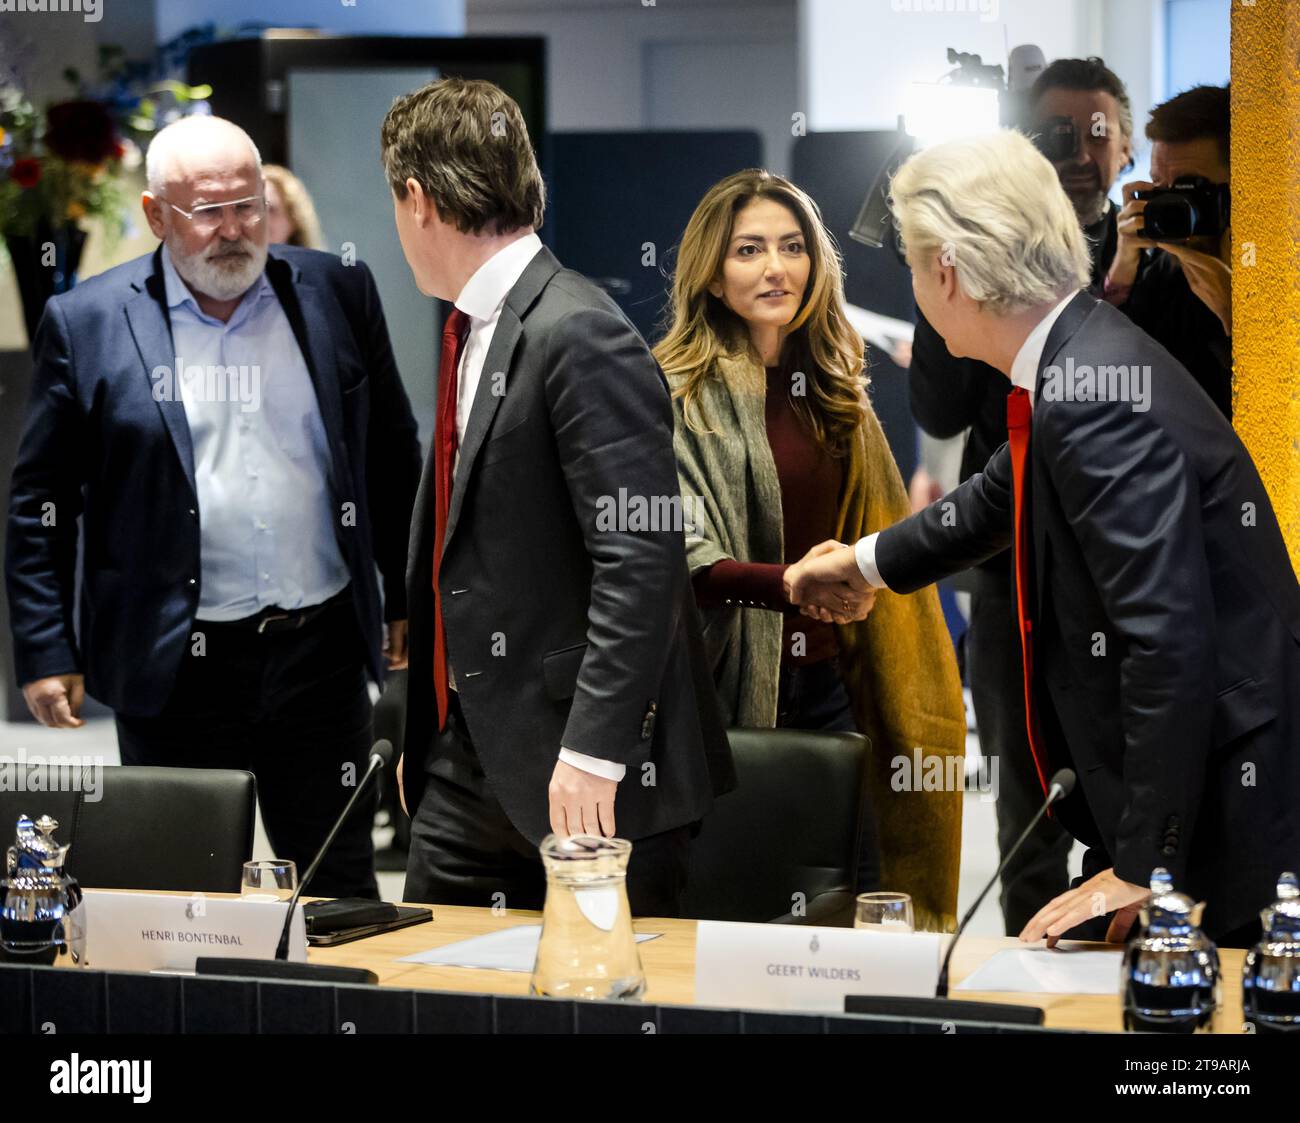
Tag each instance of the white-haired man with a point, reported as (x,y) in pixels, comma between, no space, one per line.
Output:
(230,426)
(1158,611)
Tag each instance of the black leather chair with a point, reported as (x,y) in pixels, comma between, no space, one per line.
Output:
(783,846)
(136,827)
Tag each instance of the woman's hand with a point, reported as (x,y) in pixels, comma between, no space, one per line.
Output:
(822,592)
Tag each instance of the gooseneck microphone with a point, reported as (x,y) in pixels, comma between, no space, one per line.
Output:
(1062,785)
(280,967)
(381,755)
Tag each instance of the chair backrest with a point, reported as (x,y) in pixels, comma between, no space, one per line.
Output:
(139,827)
(790,827)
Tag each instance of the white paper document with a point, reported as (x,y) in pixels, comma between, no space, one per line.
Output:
(1060,970)
(510,949)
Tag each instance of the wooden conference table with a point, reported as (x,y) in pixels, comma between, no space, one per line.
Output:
(669,964)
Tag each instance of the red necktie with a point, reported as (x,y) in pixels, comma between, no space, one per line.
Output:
(1018,415)
(454,331)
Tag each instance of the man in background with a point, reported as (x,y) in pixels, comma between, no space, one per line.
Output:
(231,428)
(1179,291)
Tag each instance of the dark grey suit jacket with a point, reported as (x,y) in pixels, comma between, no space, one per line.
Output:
(1166,615)
(566,627)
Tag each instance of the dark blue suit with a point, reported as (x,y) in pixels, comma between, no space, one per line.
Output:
(97,444)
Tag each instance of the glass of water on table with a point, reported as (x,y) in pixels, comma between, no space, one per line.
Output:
(269,879)
(884,912)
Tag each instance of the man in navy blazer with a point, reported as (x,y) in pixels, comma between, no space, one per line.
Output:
(229,425)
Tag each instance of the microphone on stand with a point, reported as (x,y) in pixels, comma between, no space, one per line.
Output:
(381,754)
(941,1006)
(1062,785)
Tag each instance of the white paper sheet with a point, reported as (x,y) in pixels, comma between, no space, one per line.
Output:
(510,949)
(1065,969)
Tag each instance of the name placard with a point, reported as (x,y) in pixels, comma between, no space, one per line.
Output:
(158,931)
(790,967)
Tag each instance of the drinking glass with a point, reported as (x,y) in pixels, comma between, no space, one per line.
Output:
(269,879)
(884,912)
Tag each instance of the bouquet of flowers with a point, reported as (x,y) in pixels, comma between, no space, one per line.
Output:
(65,164)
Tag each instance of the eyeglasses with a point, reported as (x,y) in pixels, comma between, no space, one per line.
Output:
(248,212)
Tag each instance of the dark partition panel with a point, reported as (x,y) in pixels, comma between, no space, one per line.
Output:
(836,169)
(620,201)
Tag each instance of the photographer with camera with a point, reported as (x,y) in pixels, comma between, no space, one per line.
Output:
(1170,274)
(1079,114)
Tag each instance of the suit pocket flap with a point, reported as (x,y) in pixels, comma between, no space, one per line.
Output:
(560,671)
(1241,708)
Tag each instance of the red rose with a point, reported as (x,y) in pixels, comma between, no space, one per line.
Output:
(26,172)
(80,130)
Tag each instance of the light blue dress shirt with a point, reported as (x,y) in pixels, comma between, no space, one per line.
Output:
(261,461)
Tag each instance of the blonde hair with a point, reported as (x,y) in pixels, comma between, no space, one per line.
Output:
(820,340)
(994,205)
(298,207)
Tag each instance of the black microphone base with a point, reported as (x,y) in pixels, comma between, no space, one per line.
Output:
(283,969)
(943,1009)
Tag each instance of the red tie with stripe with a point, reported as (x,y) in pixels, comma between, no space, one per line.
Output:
(454,330)
(1018,418)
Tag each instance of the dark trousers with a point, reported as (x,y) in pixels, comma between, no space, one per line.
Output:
(812,696)
(994,668)
(292,708)
(466,851)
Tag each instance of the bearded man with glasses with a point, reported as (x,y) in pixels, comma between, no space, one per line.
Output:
(229,425)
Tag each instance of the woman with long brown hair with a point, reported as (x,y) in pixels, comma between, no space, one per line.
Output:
(779,452)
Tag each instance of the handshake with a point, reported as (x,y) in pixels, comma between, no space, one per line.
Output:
(828,586)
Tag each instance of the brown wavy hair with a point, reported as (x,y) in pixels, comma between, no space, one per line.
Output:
(819,341)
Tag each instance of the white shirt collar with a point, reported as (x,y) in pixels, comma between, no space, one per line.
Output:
(1024,368)
(487,289)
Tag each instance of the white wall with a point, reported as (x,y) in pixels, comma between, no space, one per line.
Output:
(626,64)
(858,55)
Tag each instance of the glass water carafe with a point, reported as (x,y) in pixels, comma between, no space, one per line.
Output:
(587,949)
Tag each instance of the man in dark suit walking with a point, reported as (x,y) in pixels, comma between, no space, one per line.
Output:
(230,426)
(1158,610)
(555,680)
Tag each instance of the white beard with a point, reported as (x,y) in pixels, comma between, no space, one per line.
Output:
(221,276)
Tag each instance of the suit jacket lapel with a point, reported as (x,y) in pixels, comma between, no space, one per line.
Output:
(309,318)
(1067,323)
(146,314)
(499,357)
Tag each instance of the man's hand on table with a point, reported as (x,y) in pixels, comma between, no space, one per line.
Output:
(1095,897)
(581,802)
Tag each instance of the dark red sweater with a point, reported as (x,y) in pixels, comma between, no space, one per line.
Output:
(811,480)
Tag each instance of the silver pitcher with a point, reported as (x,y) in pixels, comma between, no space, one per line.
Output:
(1171,968)
(44,913)
(1270,981)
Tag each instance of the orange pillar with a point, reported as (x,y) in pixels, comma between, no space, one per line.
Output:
(1266,247)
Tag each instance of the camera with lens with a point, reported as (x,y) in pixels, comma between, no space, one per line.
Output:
(1057,138)
(1189,207)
